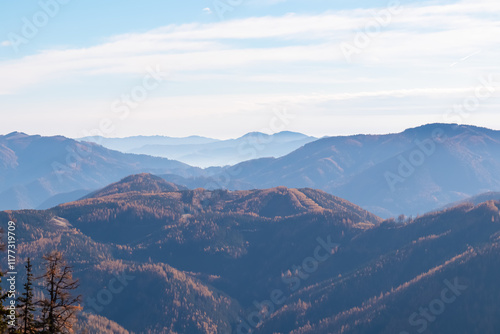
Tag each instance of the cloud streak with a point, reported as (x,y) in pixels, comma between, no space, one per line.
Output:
(430,33)
(294,57)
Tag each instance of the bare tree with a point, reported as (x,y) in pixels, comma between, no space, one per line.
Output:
(59,307)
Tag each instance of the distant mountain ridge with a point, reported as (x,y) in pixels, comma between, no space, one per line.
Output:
(127,144)
(35,168)
(410,173)
(476,200)
(206,152)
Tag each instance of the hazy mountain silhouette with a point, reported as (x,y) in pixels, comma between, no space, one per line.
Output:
(34,168)
(127,144)
(205,152)
(62,198)
(475,200)
(412,172)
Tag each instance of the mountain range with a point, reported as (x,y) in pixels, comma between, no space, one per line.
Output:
(207,152)
(277,260)
(411,173)
(33,169)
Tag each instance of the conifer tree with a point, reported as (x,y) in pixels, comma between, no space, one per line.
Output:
(26,304)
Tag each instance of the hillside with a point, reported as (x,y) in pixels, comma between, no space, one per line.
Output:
(143,183)
(214,258)
(203,253)
(184,303)
(478,199)
(407,272)
(412,172)
(34,169)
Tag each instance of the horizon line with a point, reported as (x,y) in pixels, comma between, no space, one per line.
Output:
(251,132)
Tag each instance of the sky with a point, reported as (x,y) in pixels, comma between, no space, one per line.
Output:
(227,67)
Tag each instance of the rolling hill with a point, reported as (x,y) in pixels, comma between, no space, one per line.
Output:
(413,172)
(410,173)
(436,273)
(34,169)
(142,183)
(227,240)
(274,260)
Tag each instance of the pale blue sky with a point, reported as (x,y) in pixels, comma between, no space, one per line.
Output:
(225,76)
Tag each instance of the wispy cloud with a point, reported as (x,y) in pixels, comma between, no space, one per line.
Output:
(421,36)
(294,52)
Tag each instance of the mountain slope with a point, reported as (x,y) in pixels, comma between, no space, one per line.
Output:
(417,261)
(35,168)
(478,199)
(182,302)
(411,172)
(200,253)
(62,198)
(275,260)
(143,183)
